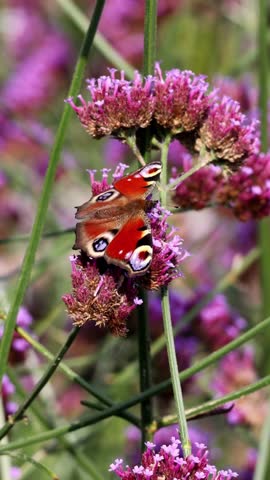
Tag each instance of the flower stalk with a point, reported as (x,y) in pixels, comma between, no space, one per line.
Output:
(168,329)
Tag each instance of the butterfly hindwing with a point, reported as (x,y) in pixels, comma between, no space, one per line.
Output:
(131,248)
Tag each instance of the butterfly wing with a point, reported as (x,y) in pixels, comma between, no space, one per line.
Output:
(139,184)
(131,248)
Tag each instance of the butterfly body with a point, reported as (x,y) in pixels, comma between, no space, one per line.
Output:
(114,224)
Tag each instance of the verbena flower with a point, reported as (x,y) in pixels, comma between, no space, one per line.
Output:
(19,346)
(116,105)
(7,391)
(38,76)
(226,134)
(181,99)
(168,251)
(168,463)
(236,371)
(247,191)
(106,299)
(187,194)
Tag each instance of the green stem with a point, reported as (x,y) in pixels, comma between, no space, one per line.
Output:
(212,404)
(177,390)
(262,463)
(41,383)
(264,229)
(104,47)
(144,365)
(46,421)
(168,330)
(150,33)
(222,285)
(39,222)
(150,36)
(25,238)
(74,377)
(5,463)
(187,174)
(91,420)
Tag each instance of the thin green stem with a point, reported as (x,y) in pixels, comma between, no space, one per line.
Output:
(46,421)
(41,383)
(222,285)
(168,330)
(25,238)
(177,390)
(91,420)
(262,463)
(5,463)
(39,222)
(264,230)
(187,174)
(212,404)
(150,36)
(74,377)
(145,370)
(101,44)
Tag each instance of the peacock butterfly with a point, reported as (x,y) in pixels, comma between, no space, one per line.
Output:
(114,224)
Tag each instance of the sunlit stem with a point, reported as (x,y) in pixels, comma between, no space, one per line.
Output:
(168,329)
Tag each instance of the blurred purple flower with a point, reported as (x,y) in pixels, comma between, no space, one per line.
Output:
(7,391)
(218,324)
(167,462)
(236,371)
(241,90)
(38,76)
(19,346)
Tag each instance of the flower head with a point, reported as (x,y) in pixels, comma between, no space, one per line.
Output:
(116,105)
(247,191)
(168,251)
(106,299)
(181,100)
(226,133)
(168,463)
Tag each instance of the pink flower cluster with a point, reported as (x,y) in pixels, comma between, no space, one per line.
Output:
(177,104)
(169,464)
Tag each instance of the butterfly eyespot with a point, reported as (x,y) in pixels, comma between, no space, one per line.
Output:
(141,258)
(100,244)
(105,196)
(151,171)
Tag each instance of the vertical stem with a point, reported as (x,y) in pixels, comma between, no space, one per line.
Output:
(264,227)
(29,257)
(168,330)
(5,463)
(150,36)
(144,365)
(262,469)
(150,33)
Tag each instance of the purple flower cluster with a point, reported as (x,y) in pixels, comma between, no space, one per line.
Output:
(7,391)
(19,346)
(37,77)
(168,463)
(236,371)
(178,104)
(106,299)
